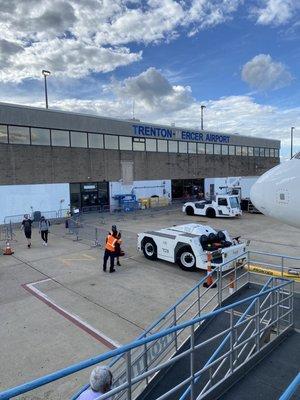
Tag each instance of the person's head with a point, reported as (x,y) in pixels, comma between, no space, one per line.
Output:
(101,379)
(42,218)
(25,216)
(114,229)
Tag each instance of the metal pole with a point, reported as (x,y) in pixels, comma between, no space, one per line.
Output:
(46,93)
(192,362)
(292,139)
(128,374)
(202,107)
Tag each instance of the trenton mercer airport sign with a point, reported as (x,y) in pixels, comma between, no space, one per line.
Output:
(167,133)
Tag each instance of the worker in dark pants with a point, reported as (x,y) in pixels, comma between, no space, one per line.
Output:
(117,234)
(111,246)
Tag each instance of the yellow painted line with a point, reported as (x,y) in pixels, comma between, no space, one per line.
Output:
(81,257)
(273,272)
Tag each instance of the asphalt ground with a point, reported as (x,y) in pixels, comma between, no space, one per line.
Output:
(57,307)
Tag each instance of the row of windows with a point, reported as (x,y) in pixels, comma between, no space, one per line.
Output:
(53,137)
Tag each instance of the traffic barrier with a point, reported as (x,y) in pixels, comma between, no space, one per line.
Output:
(291,273)
(8,250)
(209,283)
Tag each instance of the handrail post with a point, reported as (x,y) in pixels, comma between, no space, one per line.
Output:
(146,360)
(175,323)
(282,266)
(219,280)
(257,323)
(192,356)
(199,301)
(231,341)
(248,265)
(128,373)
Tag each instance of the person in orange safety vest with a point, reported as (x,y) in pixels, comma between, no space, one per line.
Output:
(112,247)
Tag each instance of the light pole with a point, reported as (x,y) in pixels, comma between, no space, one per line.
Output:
(46,73)
(202,107)
(292,139)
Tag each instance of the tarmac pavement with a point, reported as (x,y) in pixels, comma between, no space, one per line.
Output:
(57,307)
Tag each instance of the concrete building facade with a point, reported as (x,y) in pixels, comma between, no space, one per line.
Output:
(39,146)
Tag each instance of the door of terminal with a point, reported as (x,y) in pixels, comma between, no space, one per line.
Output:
(89,199)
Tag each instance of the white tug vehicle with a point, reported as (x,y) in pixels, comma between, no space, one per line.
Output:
(188,245)
(220,206)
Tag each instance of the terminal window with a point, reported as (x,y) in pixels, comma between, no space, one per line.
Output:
(173,146)
(209,148)
(60,138)
(182,147)
(262,152)
(192,148)
(138,144)
(201,148)
(244,151)
(40,136)
(111,142)
(162,146)
(217,149)
(231,150)
(95,141)
(272,152)
(3,134)
(78,139)
(224,150)
(256,151)
(267,153)
(238,150)
(250,151)
(19,134)
(150,145)
(125,143)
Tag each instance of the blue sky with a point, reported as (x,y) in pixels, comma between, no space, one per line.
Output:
(239,58)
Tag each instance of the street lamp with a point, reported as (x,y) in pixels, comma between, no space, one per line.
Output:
(202,107)
(292,138)
(46,73)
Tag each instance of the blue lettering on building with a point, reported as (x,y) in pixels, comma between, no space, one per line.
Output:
(166,133)
(208,137)
(151,131)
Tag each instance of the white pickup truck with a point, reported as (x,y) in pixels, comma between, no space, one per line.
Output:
(187,245)
(220,206)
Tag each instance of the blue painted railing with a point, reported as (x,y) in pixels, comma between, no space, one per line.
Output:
(13,392)
(187,392)
(291,389)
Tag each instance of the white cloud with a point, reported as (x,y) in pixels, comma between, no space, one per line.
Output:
(153,91)
(263,73)
(75,37)
(275,12)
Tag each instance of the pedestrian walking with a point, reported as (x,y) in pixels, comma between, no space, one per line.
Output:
(26,226)
(44,226)
(112,246)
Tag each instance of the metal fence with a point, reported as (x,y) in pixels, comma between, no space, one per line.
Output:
(7,232)
(135,364)
(54,214)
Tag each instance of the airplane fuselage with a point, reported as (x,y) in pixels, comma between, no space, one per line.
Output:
(277,192)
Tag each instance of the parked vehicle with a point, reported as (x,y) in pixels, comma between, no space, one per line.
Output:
(188,245)
(219,206)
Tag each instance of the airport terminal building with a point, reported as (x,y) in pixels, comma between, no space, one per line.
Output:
(48,157)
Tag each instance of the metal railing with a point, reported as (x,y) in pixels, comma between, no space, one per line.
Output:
(272,311)
(53,214)
(291,389)
(7,232)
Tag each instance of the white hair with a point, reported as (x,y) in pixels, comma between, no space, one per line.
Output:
(100,377)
